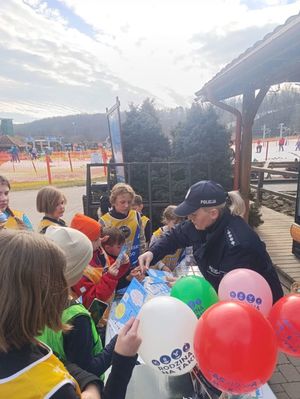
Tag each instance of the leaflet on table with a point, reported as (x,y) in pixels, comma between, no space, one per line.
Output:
(130,304)
(155,287)
(158,276)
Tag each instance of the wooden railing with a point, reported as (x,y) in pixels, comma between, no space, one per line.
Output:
(260,189)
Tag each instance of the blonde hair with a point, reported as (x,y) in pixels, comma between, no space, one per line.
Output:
(33,289)
(48,198)
(235,204)
(119,189)
(168,215)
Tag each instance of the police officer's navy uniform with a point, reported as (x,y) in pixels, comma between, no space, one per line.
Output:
(228,244)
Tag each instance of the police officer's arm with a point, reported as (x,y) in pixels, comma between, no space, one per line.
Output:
(168,243)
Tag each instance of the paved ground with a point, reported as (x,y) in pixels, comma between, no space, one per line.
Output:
(285,382)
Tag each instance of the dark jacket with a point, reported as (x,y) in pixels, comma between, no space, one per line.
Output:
(228,244)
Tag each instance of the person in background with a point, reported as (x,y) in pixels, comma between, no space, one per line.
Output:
(15,154)
(14,219)
(222,241)
(138,206)
(297,148)
(169,220)
(127,220)
(33,293)
(281,142)
(81,344)
(101,275)
(258,146)
(51,202)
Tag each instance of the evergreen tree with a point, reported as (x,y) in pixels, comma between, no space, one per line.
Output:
(143,141)
(204,142)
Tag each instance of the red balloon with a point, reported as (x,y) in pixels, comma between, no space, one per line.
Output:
(285,319)
(235,346)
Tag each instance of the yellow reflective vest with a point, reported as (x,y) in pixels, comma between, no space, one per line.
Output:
(15,221)
(39,380)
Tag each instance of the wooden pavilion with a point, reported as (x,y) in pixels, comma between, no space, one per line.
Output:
(273,60)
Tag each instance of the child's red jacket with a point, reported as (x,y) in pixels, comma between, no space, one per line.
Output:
(95,283)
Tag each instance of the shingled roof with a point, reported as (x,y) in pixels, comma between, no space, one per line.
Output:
(7,141)
(274,59)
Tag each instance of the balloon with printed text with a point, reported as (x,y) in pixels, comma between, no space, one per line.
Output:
(246,286)
(196,292)
(285,319)
(235,347)
(167,329)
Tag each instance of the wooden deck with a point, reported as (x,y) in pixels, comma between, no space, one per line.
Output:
(275,232)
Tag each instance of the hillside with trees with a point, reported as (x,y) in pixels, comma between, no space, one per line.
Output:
(281,105)
(73,128)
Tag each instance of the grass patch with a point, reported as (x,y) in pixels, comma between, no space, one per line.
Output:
(34,185)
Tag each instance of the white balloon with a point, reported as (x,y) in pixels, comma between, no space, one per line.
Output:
(167,327)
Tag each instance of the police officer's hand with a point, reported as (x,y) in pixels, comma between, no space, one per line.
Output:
(145,260)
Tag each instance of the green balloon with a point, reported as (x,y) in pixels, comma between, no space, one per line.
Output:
(196,292)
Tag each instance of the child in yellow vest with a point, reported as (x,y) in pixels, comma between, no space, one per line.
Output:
(51,202)
(128,221)
(169,220)
(33,293)
(11,219)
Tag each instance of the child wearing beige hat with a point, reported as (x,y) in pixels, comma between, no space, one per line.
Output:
(81,345)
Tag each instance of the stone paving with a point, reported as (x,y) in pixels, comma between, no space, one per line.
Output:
(285,382)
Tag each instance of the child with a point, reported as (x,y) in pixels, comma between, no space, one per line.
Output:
(50,201)
(138,206)
(126,219)
(33,293)
(14,219)
(81,344)
(95,282)
(169,219)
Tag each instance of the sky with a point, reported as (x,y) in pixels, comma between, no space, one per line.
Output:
(62,57)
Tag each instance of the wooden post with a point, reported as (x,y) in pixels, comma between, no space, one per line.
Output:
(260,185)
(267,151)
(246,147)
(34,167)
(70,161)
(48,169)
(251,104)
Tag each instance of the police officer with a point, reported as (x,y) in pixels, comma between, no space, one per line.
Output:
(222,241)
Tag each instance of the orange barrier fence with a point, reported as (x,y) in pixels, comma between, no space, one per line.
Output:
(58,168)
